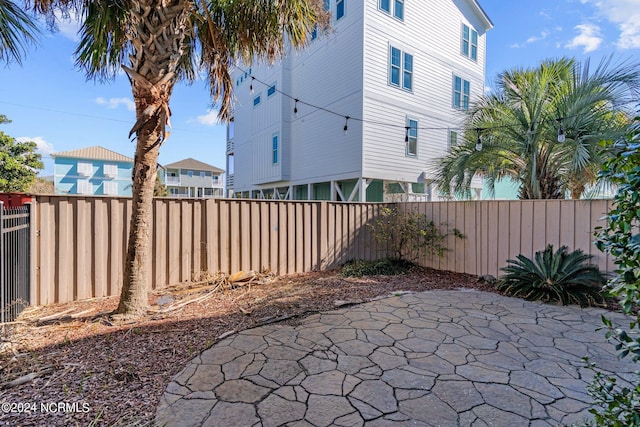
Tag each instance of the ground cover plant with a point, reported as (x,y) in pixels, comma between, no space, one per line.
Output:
(553,276)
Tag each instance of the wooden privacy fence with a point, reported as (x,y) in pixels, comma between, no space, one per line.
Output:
(80,242)
(500,230)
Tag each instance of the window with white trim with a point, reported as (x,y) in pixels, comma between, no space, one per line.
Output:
(453,138)
(85,168)
(110,188)
(203,174)
(110,170)
(461,92)
(469,46)
(392,7)
(190,174)
(400,69)
(340,9)
(84,186)
(412,138)
(256,100)
(275,149)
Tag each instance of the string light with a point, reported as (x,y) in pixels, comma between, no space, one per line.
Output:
(561,137)
(406,134)
(561,132)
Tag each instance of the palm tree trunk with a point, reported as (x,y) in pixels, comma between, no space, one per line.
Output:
(133,298)
(158,49)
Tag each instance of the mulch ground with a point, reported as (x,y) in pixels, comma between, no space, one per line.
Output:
(80,365)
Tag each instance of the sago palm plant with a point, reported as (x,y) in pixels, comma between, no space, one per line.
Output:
(554,276)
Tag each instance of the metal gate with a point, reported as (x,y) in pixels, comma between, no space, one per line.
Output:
(15,250)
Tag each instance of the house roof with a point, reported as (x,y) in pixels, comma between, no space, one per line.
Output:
(94,153)
(475,5)
(194,165)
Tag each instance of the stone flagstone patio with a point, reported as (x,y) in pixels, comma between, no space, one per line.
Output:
(438,358)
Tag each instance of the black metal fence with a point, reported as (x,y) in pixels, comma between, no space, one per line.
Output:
(15,248)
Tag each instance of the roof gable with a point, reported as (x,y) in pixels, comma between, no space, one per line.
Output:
(193,165)
(482,15)
(94,153)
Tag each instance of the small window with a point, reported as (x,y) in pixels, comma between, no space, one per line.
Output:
(85,168)
(271,91)
(110,188)
(453,138)
(461,92)
(385,5)
(401,69)
(314,32)
(398,10)
(339,9)
(396,56)
(256,101)
(327,4)
(407,78)
(275,149)
(412,138)
(84,187)
(469,45)
(203,174)
(189,174)
(110,170)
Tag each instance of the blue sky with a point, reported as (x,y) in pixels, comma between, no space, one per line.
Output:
(50,101)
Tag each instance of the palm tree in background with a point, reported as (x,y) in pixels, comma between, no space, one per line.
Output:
(17,30)
(519,125)
(158,43)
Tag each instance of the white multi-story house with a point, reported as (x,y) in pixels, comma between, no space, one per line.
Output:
(193,178)
(363,111)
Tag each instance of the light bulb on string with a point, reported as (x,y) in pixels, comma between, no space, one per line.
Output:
(251,86)
(346,124)
(479,140)
(561,135)
(295,109)
(406,134)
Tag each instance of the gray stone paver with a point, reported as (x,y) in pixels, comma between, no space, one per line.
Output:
(416,359)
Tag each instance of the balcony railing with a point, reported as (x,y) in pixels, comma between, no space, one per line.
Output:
(172,180)
(230,181)
(231,146)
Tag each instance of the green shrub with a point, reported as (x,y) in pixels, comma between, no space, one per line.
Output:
(620,405)
(382,267)
(553,276)
(410,234)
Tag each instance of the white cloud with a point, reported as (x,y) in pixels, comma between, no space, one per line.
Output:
(68,25)
(113,103)
(589,38)
(543,35)
(209,119)
(43,146)
(625,14)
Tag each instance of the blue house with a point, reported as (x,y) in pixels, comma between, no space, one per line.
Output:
(92,171)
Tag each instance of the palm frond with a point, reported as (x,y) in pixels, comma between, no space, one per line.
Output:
(17,31)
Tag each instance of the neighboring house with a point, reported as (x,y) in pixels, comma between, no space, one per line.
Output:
(192,178)
(92,171)
(390,80)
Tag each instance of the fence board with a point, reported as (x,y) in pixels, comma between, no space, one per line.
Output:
(80,243)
